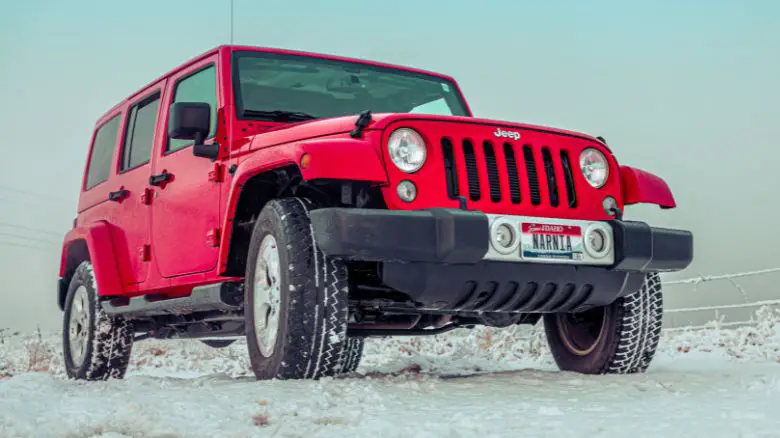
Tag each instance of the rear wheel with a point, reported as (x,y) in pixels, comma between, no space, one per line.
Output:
(96,346)
(296,298)
(617,339)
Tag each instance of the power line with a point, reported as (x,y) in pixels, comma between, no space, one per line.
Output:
(35,194)
(35,230)
(20,245)
(31,239)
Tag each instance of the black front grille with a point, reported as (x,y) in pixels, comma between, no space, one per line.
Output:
(523,177)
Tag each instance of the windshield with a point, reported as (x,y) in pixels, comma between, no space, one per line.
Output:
(283,87)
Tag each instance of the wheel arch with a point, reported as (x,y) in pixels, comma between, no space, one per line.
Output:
(292,169)
(247,199)
(252,190)
(89,243)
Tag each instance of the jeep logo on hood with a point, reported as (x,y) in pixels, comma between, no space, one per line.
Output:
(514,135)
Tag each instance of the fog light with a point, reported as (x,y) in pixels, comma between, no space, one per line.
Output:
(597,241)
(407,191)
(505,237)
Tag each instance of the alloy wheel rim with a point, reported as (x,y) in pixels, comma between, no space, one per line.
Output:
(267,295)
(78,326)
(582,332)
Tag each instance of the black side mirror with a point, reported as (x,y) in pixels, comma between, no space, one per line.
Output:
(192,121)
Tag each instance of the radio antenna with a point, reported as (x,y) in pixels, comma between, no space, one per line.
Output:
(231,21)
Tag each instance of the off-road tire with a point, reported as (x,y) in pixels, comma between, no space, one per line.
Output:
(628,341)
(109,338)
(218,343)
(313,298)
(353,352)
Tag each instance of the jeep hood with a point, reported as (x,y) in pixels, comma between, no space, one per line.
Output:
(295,132)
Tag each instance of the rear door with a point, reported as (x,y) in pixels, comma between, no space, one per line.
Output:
(185,209)
(130,232)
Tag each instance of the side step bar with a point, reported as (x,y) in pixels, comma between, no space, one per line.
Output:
(224,297)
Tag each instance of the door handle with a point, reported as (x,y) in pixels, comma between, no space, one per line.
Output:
(158,180)
(118,195)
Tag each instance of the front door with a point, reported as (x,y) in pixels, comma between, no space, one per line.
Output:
(185,206)
(130,219)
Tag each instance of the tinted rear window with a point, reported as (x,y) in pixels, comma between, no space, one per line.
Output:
(102,152)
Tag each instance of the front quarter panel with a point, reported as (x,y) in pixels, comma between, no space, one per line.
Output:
(344,159)
(641,187)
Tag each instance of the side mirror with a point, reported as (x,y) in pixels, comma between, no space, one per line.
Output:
(192,121)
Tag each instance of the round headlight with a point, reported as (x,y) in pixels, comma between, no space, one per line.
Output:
(407,150)
(595,167)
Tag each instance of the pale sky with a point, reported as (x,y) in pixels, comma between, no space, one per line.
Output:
(688,91)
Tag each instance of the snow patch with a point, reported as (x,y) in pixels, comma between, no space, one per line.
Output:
(483,382)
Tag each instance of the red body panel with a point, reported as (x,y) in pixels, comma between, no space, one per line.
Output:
(356,160)
(644,187)
(181,238)
(185,211)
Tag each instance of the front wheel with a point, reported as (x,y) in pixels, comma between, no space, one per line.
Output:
(296,298)
(218,343)
(353,352)
(620,338)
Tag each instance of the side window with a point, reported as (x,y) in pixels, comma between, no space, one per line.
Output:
(139,135)
(198,87)
(102,152)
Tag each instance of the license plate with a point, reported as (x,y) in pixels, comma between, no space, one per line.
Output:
(550,241)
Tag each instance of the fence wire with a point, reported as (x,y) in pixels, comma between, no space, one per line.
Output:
(731,278)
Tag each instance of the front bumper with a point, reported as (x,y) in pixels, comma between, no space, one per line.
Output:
(443,259)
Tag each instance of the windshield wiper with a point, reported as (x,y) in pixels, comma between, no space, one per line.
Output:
(278,116)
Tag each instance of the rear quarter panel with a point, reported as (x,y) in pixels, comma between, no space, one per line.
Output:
(97,236)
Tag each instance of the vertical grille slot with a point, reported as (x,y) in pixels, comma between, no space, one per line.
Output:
(533,180)
(471,170)
(511,170)
(549,170)
(568,177)
(492,171)
(450,170)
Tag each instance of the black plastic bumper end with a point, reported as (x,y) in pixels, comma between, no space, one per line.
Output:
(640,247)
(437,235)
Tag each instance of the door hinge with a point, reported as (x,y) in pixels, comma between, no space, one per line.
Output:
(217,173)
(146,196)
(213,237)
(145,253)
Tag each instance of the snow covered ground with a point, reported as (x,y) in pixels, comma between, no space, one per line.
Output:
(485,383)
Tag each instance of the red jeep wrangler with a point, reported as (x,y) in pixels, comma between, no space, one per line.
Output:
(308,201)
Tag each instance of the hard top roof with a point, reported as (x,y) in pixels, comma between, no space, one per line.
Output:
(233,48)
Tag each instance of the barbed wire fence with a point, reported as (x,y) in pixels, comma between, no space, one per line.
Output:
(732,279)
